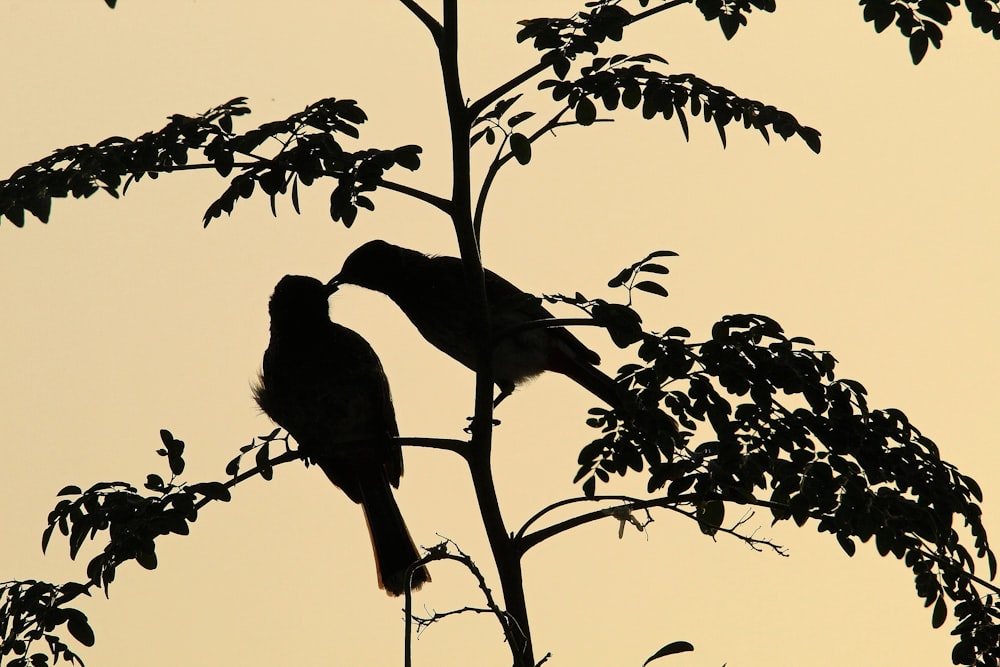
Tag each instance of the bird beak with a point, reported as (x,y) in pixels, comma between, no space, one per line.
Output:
(333,285)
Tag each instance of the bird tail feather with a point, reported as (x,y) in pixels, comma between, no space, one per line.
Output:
(393,547)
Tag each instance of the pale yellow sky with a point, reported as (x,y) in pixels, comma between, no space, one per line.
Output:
(124,317)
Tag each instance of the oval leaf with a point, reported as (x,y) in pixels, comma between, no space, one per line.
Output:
(586,112)
(520,147)
(710,515)
(651,287)
(670,649)
(940,614)
(79,627)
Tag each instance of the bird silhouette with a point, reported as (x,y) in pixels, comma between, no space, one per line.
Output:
(323,383)
(432,292)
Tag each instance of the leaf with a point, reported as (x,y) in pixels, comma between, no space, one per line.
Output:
(847,544)
(710,515)
(70,490)
(147,559)
(623,275)
(263,462)
(670,649)
(918,46)
(624,325)
(213,490)
(940,613)
(408,157)
(519,118)
(682,119)
(654,268)
(651,287)
(520,146)
(586,112)
(79,627)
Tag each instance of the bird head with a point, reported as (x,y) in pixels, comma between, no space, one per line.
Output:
(376,265)
(299,298)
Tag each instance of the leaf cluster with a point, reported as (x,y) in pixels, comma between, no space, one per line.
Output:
(626,81)
(31,611)
(305,149)
(80,171)
(921,22)
(132,519)
(790,436)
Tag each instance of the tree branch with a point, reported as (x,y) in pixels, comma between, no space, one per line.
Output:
(656,10)
(524,542)
(505,556)
(440,552)
(429,22)
(480,105)
(439,203)
(460,447)
(499,162)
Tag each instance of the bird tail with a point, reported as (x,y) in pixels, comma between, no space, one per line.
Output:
(590,378)
(394,550)
(599,384)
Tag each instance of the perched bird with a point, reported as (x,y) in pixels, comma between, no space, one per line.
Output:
(432,292)
(324,384)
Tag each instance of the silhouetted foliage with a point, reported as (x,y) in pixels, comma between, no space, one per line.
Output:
(784,433)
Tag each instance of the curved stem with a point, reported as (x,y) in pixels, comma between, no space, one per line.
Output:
(499,162)
(567,501)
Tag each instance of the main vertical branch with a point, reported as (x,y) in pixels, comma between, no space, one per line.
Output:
(506,557)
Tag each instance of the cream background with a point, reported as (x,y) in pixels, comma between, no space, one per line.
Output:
(123,317)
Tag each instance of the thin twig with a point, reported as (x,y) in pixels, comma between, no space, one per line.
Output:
(424,621)
(440,552)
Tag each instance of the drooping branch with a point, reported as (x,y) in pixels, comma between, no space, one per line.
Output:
(526,541)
